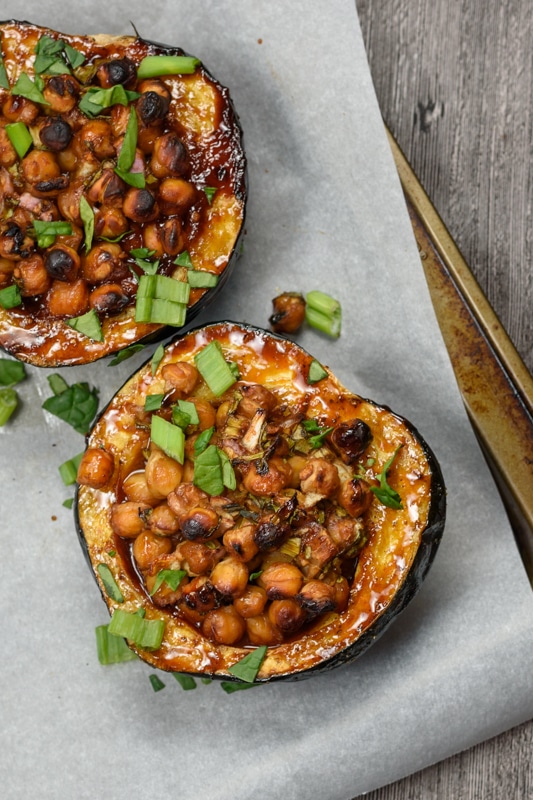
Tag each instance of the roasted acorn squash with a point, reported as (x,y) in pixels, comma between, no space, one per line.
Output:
(302,517)
(121,170)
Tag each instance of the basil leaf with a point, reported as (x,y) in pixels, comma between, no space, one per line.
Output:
(76,405)
(11,372)
(184,260)
(73,56)
(172,577)
(152,402)
(87,217)
(88,324)
(8,403)
(10,297)
(57,383)
(202,441)
(208,471)
(110,585)
(186,682)
(126,157)
(25,87)
(210,193)
(123,355)
(159,352)
(230,687)
(247,668)
(228,473)
(316,372)
(135,179)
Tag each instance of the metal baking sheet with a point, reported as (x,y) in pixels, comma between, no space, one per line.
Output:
(327,211)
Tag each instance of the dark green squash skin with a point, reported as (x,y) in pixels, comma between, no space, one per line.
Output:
(162,332)
(426,551)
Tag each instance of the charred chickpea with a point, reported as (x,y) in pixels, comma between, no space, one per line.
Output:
(62,263)
(355,497)
(101,262)
(239,542)
(19,109)
(31,276)
(55,134)
(119,119)
(108,189)
(117,70)
(281,580)
(176,195)
(198,557)
(163,474)
(185,497)
(109,298)
(140,205)
(68,299)
(14,243)
(169,157)
(61,93)
(260,631)
(40,166)
(341,596)
(165,238)
(163,521)
(182,376)
(96,468)
(198,523)
(72,239)
(251,602)
(269,482)
(316,597)
(254,397)
(199,594)
(68,202)
(136,488)
(230,577)
(224,626)
(287,615)
(350,439)
(128,519)
(152,106)
(8,154)
(110,222)
(95,137)
(148,546)
(319,476)
(288,312)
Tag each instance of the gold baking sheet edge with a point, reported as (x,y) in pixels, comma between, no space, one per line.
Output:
(495,385)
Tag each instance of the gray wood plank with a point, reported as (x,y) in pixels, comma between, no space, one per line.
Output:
(454,81)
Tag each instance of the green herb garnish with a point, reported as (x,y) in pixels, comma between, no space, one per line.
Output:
(87,217)
(157,683)
(95,100)
(202,441)
(247,668)
(168,437)
(230,687)
(323,313)
(110,584)
(10,297)
(46,232)
(112,649)
(32,90)
(76,405)
(8,404)
(88,324)
(214,369)
(172,577)
(312,426)
(186,682)
(200,279)
(184,260)
(4,80)
(69,470)
(210,192)
(190,409)
(11,372)
(208,471)
(385,493)
(123,355)
(20,137)
(153,402)
(316,372)
(159,352)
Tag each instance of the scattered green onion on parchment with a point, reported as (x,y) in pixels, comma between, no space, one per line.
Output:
(11,373)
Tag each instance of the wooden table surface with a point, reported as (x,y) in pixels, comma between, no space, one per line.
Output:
(454,81)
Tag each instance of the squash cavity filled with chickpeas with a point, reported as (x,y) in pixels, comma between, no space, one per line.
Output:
(122,192)
(235,496)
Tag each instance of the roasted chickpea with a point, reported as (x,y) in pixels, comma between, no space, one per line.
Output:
(260,631)
(68,202)
(19,109)
(40,167)
(355,497)
(240,542)
(280,580)
(147,547)
(68,299)
(198,523)
(165,238)
(319,476)
(255,397)
(176,195)
(350,439)
(224,626)
(251,602)
(95,137)
(185,497)
(169,157)
(56,134)
(230,577)
(163,521)
(117,71)
(163,474)
(136,488)
(140,205)
(287,615)
(8,154)
(198,557)
(316,597)
(152,107)
(108,189)
(110,222)
(129,519)
(14,243)
(181,375)
(263,482)
(206,412)
(31,276)
(62,262)
(200,595)
(61,93)
(289,312)
(109,298)
(102,261)
(96,468)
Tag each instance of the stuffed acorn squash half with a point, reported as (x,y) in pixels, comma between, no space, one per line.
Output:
(122,192)
(235,497)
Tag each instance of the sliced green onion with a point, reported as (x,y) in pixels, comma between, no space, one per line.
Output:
(214,369)
(8,403)
(157,683)
(202,441)
(180,418)
(208,471)
(146,633)
(88,324)
(200,279)
(20,137)
(11,372)
(247,668)
(190,409)
(69,470)
(316,372)
(172,577)
(184,260)
(166,312)
(210,192)
(25,87)
(323,313)
(10,297)
(168,437)
(228,473)
(159,352)
(110,584)
(152,402)
(112,649)
(68,503)
(87,217)
(46,232)
(4,80)
(186,682)
(162,300)
(57,383)
(153,66)
(123,355)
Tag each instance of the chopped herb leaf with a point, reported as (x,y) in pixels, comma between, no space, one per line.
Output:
(76,405)
(57,383)
(203,440)
(159,352)
(110,584)
(152,402)
(228,473)
(172,577)
(8,404)
(4,80)
(180,418)
(385,493)
(68,503)
(69,470)
(157,683)
(184,260)
(247,668)
(123,355)
(88,324)
(74,57)
(126,156)
(316,372)
(95,100)
(210,193)
(190,409)
(10,297)
(208,471)
(25,87)
(135,179)
(87,217)
(186,682)
(11,372)
(230,687)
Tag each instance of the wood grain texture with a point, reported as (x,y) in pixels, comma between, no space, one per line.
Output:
(454,82)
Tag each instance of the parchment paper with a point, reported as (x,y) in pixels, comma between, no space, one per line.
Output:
(325,211)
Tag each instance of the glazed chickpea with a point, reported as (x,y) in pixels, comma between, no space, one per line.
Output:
(185,497)
(152,107)
(239,542)
(260,631)
(72,239)
(198,523)
(169,157)
(341,593)
(62,262)
(156,86)
(355,497)
(55,134)
(224,626)
(68,202)
(163,474)
(109,298)
(319,476)
(110,222)
(95,137)
(317,597)
(119,119)
(255,397)
(230,577)
(200,595)
(147,547)
(136,488)
(96,468)
(140,205)
(164,595)
(31,276)
(251,602)
(68,299)
(289,312)
(40,166)
(344,531)
(287,615)
(198,557)
(163,521)
(117,71)
(276,478)
(128,519)
(176,195)
(14,243)
(8,154)
(164,239)
(108,189)
(281,580)
(19,109)
(206,412)
(61,93)
(102,261)
(181,375)
(6,271)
